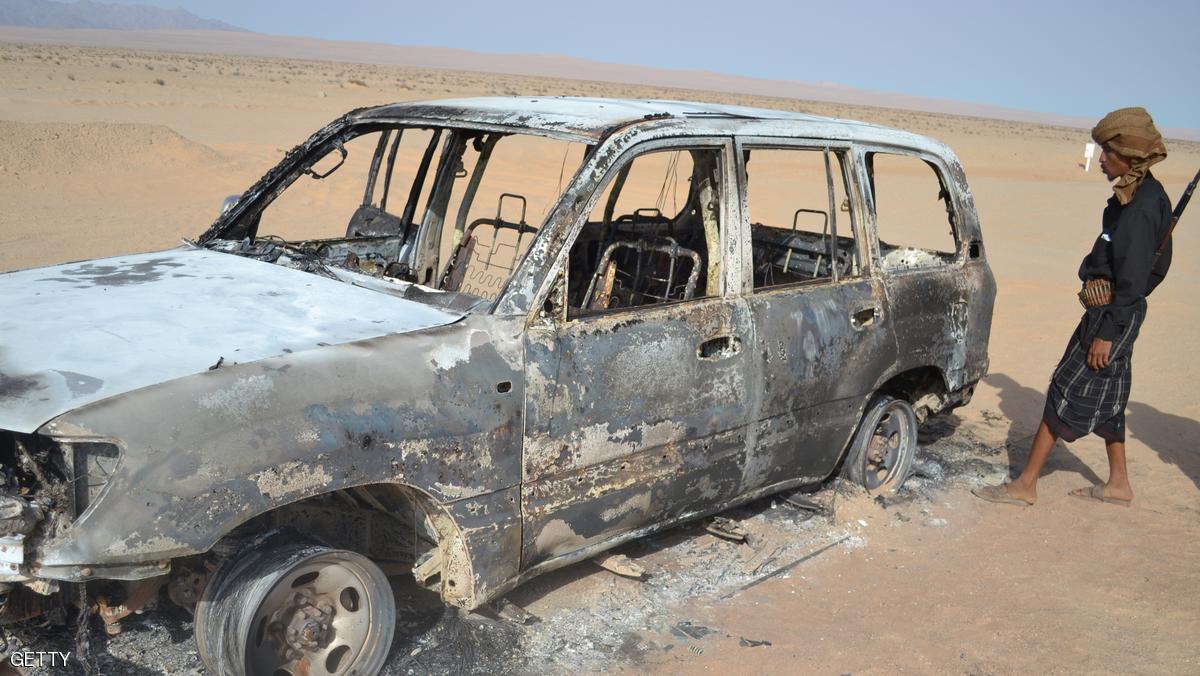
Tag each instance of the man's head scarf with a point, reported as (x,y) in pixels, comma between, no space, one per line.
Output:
(1131,133)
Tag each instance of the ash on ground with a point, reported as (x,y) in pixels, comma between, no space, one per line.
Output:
(607,620)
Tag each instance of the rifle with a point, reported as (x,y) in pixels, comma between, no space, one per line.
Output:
(1183,202)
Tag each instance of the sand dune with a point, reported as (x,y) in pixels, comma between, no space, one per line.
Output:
(50,149)
(538,65)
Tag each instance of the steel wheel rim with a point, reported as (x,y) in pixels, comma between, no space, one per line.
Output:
(316,619)
(886,446)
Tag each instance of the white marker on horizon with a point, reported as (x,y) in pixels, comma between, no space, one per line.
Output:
(1089,151)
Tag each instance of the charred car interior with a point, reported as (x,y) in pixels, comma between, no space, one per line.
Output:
(452,210)
(462,343)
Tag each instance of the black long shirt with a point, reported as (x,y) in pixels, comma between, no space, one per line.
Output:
(1124,252)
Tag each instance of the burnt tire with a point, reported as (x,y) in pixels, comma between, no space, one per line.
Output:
(882,450)
(296,609)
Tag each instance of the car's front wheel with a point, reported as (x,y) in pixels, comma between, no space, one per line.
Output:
(291,609)
(882,450)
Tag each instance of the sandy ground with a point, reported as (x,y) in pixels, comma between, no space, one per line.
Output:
(105,151)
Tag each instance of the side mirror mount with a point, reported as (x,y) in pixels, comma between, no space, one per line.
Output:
(328,169)
(553,309)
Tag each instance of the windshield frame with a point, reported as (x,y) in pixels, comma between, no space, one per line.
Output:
(232,224)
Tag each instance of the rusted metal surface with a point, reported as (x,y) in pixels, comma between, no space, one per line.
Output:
(138,596)
(22,604)
(186,585)
(523,437)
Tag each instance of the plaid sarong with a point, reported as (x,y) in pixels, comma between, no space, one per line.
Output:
(1081,400)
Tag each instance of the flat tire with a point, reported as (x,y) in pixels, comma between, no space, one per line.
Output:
(882,450)
(292,609)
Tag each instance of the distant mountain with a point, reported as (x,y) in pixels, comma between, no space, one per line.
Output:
(88,14)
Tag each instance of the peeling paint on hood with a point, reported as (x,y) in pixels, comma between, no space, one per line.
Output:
(77,333)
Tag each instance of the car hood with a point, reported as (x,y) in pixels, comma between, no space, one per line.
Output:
(78,333)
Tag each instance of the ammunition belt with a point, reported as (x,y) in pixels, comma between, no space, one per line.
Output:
(1096,293)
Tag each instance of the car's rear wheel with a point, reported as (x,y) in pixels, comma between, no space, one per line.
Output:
(882,450)
(296,609)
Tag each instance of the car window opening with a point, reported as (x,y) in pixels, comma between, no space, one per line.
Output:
(653,237)
(914,215)
(794,197)
(450,209)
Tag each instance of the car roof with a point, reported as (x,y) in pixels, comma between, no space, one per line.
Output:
(591,119)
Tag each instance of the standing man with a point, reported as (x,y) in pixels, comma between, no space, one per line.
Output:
(1090,387)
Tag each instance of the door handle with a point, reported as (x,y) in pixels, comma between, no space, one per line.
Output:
(719,348)
(865,317)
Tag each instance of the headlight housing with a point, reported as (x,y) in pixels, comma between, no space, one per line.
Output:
(92,466)
(71,473)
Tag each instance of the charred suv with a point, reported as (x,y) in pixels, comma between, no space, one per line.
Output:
(470,341)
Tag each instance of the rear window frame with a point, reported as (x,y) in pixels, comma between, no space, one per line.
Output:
(942,171)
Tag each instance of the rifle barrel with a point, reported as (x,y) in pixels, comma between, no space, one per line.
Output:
(1184,198)
(1183,202)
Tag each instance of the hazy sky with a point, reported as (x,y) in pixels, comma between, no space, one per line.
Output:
(1074,58)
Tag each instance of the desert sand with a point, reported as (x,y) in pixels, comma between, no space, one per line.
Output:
(105,151)
(542,65)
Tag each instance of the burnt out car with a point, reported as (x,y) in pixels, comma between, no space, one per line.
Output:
(471,341)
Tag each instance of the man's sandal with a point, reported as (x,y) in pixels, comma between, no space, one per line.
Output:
(1000,494)
(1097,493)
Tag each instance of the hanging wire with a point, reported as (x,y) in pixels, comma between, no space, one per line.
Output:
(671,178)
(562,170)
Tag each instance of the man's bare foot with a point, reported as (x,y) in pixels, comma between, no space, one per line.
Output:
(1010,494)
(1117,495)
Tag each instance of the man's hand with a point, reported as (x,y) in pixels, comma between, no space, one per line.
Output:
(1098,354)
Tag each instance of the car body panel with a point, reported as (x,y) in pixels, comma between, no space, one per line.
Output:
(641,426)
(941,310)
(818,366)
(420,409)
(819,370)
(628,422)
(82,332)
